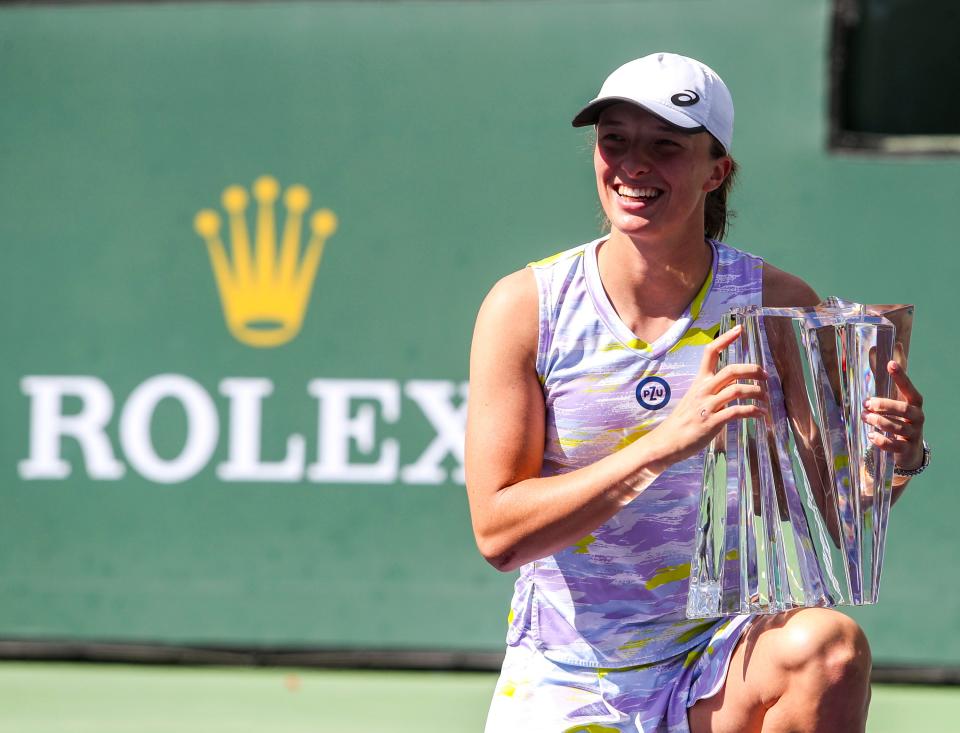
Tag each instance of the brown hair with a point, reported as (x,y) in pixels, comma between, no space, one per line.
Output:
(715,211)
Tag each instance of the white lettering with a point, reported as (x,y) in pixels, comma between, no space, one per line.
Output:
(243,460)
(48,425)
(434,397)
(338,430)
(202,428)
(349,447)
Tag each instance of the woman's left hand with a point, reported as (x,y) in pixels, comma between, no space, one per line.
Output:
(901,420)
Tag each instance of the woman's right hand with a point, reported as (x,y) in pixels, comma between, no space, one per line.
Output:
(706,408)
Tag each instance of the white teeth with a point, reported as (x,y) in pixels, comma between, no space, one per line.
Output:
(638,193)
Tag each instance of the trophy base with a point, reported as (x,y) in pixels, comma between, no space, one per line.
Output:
(703,600)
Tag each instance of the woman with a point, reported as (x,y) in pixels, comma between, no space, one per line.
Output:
(593,390)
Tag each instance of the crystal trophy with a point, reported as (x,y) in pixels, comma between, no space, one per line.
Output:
(793,510)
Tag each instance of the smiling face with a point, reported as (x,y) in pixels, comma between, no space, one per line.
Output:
(653,178)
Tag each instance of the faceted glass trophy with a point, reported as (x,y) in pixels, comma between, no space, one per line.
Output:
(793,510)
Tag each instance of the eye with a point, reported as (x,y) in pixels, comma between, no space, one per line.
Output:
(666,142)
(612,137)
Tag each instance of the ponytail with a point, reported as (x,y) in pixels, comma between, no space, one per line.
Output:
(715,212)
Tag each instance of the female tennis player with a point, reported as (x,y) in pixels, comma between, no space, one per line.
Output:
(594,389)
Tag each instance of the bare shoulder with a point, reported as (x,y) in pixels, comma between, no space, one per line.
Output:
(510,312)
(518,289)
(783,290)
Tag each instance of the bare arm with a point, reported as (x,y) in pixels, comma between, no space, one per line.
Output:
(517,515)
(783,290)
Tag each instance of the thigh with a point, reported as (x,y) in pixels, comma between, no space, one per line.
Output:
(764,662)
(740,703)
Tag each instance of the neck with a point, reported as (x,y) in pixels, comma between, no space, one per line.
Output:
(650,284)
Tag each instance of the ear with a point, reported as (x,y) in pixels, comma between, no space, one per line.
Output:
(718,174)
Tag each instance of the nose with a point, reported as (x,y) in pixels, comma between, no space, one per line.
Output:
(636,160)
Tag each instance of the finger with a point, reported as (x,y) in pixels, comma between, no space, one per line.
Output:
(739,391)
(888,444)
(895,408)
(733,372)
(738,412)
(907,430)
(900,378)
(711,352)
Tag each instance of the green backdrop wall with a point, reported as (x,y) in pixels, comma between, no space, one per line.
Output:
(438,134)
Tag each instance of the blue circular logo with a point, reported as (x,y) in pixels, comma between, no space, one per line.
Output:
(653,392)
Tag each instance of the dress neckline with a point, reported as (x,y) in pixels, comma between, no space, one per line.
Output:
(619,329)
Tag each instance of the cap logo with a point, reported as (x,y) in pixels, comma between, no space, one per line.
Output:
(686,98)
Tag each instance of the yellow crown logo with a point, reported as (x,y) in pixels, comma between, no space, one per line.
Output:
(265,296)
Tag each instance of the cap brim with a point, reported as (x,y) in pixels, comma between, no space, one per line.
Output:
(591,113)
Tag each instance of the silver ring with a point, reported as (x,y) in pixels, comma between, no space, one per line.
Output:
(703,413)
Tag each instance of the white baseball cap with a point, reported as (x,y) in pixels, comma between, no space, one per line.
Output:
(679,90)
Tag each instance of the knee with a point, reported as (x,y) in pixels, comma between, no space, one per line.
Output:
(825,646)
